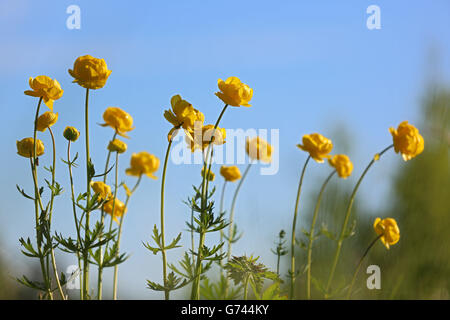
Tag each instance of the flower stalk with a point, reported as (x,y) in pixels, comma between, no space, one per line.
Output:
(294,223)
(346,219)
(311,234)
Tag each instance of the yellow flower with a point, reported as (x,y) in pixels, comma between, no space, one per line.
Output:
(342,164)
(183,115)
(317,146)
(119,208)
(46,120)
(230,173)
(210,176)
(45,87)
(102,189)
(119,120)
(71,133)
(25,147)
(259,149)
(201,139)
(117,146)
(407,140)
(90,72)
(143,163)
(388,229)
(234,93)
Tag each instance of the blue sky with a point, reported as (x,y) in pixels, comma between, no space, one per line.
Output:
(313,66)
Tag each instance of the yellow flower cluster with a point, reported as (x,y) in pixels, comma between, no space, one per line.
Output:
(25,147)
(258,149)
(143,163)
(230,173)
(46,88)
(388,230)
(407,140)
(90,72)
(119,120)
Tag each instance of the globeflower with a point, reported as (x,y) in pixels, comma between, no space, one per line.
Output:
(117,146)
(119,208)
(25,147)
(201,139)
(143,163)
(102,189)
(46,120)
(388,230)
(259,149)
(230,173)
(90,72)
(234,93)
(342,164)
(71,133)
(317,146)
(119,120)
(182,115)
(45,87)
(407,140)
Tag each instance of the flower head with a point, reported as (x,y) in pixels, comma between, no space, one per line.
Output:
(119,208)
(259,149)
(234,93)
(119,120)
(143,163)
(46,120)
(45,87)
(210,176)
(388,229)
(25,147)
(117,146)
(317,146)
(71,133)
(90,72)
(182,115)
(102,189)
(202,138)
(407,140)
(342,164)
(230,173)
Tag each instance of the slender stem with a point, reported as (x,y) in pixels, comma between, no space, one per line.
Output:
(294,223)
(349,292)
(163,244)
(222,197)
(102,221)
(195,294)
(311,234)
(75,215)
(231,225)
(39,234)
(52,251)
(116,267)
(233,205)
(38,202)
(246,287)
(88,195)
(346,219)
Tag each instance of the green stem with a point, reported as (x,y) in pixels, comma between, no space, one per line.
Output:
(294,223)
(52,251)
(231,225)
(102,221)
(246,287)
(222,197)
(346,219)
(163,244)
(88,195)
(75,216)
(349,292)
(311,235)
(116,267)
(38,202)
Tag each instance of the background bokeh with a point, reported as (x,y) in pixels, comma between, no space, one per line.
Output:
(313,66)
